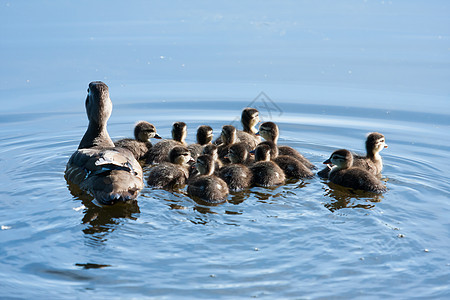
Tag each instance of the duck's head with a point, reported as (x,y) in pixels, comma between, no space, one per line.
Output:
(212,150)
(205,164)
(98,104)
(204,134)
(237,153)
(375,142)
(180,156)
(249,118)
(229,134)
(179,131)
(143,131)
(273,148)
(269,131)
(262,152)
(341,158)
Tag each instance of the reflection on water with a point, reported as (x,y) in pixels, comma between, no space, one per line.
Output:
(101,220)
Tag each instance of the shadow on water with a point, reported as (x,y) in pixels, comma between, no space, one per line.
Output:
(101,219)
(342,197)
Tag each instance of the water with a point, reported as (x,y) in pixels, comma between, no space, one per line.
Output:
(330,73)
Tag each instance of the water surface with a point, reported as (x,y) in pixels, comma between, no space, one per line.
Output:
(329,72)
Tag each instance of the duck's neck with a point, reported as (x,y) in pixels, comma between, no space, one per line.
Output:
(248,128)
(96,135)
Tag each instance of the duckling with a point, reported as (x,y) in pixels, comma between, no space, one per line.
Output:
(266,172)
(270,132)
(343,173)
(206,186)
(169,175)
(237,175)
(212,150)
(204,137)
(111,174)
(249,119)
(372,162)
(159,152)
(291,167)
(140,145)
(228,137)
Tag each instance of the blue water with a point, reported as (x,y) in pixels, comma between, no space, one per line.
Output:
(327,72)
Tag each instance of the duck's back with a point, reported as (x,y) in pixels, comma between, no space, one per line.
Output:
(237,176)
(109,174)
(371,165)
(292,167)
(167,176)
(208,188)
(160,151)
(139,149)
(195,150)
(357,178)
(267,173)
(289,151)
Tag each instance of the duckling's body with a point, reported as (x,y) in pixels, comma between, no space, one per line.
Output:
(237,175)
(111,174)
(160,152)
(372,162)
(343,173)
(169,175)
(270,132)
(266,172)
(140,145)
(229,137)
(206,186)
(249,119)
(204,137)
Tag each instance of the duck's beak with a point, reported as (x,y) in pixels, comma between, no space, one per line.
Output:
(226,156)
(327,162)
(157,136)
(191,160)
(252,152)
(385,145)
(257,134)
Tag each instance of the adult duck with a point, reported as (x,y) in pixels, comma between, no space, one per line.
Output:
(111,174)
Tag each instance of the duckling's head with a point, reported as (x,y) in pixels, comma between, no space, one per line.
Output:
(375,142)
(179,131)
(229,134)
(238,153)
(249,119)
(212,150)
(341,158)
(262,153)
(204,134)
(98,104)
(180,156)
(269,131)
(143,131)
(205,164)
(273,148)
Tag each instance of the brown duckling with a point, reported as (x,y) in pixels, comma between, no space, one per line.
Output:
(206,186)
(169,175)
(266,172)
(270,132)
(291,167)
(228,137)
(343,173)
(237,175)
(204,137)
(372,162)
(160,151)
(140,145)
(249,119)
(111,174)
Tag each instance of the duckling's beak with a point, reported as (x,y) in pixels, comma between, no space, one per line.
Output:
(385,145)
(226,156)
(157,136)
(252,152)
(191,160)
(257,134)
(327,162)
